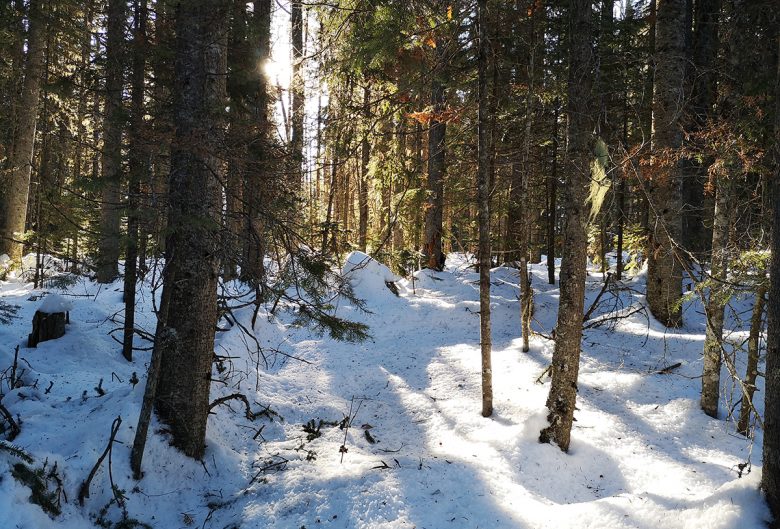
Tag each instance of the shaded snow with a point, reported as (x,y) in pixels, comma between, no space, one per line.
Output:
(642,455)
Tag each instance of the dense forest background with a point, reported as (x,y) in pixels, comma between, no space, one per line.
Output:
(196,144)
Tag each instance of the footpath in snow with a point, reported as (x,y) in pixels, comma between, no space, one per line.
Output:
(418,453)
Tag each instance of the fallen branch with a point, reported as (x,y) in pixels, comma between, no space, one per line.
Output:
(236,396)
(668,369)
(84,489)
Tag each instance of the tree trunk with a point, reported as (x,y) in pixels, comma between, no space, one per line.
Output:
(754,353)
(363,183)
(703,87)
(182,397)
(297,89)
(256,190)
(770,477)
(113,123)
(483,199)
(664,274)
(552,192)
(433,255)
(15,189)
(568,334)
(713,341)
(138,172)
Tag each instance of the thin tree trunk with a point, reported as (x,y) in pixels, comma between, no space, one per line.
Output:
(552,192)
(113,123)
(182,397)
(754,353)
(15,190)
(483,199)
(568,334)
(363,182)
(297,89)
(138,170)
(713,341)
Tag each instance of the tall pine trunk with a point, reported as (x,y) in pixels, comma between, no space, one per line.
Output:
(15,189)
(138,173)
(113,123)
(770,477)
(297,88)
(433,255)
(568,334)
(664,274)
(182,398)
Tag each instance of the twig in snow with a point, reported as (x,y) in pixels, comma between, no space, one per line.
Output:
(84,489)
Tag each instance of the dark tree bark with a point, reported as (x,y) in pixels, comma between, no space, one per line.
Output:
(483,200)
(770,477)
(14,191)
(138,173)
(703,86)
(568,334)
(113,124)
(192,250)
(664,274)
(297,88)
(552,192)
(256,190)
(365,153)
(433,255)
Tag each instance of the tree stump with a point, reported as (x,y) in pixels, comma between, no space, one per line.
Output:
(47,326)
(49,320)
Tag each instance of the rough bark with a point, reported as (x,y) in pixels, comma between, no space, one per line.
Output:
(483,200)
(664,274)
(703,79)
(138,173)
(192,250)
(14,192)
(256,190)
(770,477)
(297,89)
(113,124)
(568,334)
(433,255)
(552,195)
(716,302)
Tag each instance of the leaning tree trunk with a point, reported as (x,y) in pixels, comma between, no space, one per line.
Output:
(182,398)
(483,200)
(754,352)
(770,477)
(14,191)
(664,273)
(568,335)
(297,88)
(111,207)
(434,208)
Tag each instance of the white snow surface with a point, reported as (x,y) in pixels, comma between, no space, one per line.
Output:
(55,303)
(642,455)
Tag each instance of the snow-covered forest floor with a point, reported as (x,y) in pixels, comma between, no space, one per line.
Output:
(418,453)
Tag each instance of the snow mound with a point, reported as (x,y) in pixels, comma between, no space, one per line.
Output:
(55,303)
(368,276)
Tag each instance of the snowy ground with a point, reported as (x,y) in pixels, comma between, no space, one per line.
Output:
(642,455)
